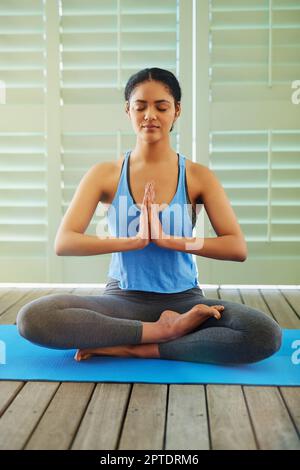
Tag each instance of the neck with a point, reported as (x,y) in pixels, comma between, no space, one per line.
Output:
(155,153)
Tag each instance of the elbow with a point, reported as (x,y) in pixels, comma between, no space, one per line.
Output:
(58,250)
(63,244)
(242,257)
(242,252)
(58,247)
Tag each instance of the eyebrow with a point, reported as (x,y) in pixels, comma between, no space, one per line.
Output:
(157,101)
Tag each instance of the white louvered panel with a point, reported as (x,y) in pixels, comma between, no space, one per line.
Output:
(286,186)
(239,48)
(23,194)
(285,41)
(23,219)
(22,50)
(255,141)
(254,44)
(265,197)
(102,43)
(240,162)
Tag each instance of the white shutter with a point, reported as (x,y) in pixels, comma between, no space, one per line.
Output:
(23,238)
(255,132)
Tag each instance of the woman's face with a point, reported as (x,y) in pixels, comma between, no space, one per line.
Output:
(151,104)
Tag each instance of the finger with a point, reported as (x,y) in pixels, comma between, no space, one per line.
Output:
(150,197)
(217,311)
(146,193)
(147,200)
(146,188)
(151,192)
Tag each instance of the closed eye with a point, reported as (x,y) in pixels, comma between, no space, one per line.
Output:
(162,110)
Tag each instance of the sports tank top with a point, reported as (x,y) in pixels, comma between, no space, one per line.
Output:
(152,268)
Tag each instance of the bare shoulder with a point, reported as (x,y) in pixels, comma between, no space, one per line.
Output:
(103,168)
(107,173)
(195,168)
(197,175)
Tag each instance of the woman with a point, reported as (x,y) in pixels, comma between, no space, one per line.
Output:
(153,305)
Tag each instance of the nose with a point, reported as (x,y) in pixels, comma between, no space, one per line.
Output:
(149,114)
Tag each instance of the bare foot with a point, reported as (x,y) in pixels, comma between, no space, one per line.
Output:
(179,324)
(126,350)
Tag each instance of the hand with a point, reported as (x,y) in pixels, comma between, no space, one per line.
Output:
(143,234)
(156,230)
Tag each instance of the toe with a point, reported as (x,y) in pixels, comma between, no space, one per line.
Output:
(77,356)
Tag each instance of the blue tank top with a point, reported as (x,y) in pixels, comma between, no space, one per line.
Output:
(152,269)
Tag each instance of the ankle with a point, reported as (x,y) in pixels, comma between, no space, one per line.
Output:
(153,332)
(149,350)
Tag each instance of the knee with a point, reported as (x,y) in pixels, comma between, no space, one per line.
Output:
(273,338)
(266,340)
(31,320)
(25,321)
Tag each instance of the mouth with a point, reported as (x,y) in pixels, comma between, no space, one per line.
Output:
(150,127)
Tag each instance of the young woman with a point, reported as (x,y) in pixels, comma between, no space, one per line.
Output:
(152,305)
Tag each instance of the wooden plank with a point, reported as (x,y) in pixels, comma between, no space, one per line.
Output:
(187,424)
(280,308)
(230,426)
(232,295)
(145,418)
(211,293)
(21,417)
(10,314)
(8,390)
(291,397)
(87,291)
(259,303)
(60,421)
(253,298)
(271,421)
(235,412)
(293,298)
(10,298)
(102,422)
(5,290)
(8,317)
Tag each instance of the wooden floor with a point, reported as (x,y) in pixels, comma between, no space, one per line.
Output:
(68,415)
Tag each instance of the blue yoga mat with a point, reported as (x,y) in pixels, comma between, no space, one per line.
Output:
(22,360)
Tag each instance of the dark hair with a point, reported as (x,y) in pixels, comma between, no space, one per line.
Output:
(154,73)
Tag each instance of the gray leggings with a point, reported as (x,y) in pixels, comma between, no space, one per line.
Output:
(69,321)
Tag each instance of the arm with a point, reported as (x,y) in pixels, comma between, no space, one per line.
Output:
(70,238)
(230,243)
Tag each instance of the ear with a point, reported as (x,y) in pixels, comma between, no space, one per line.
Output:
(177,110)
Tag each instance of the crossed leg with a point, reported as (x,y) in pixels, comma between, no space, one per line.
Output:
(67,321)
